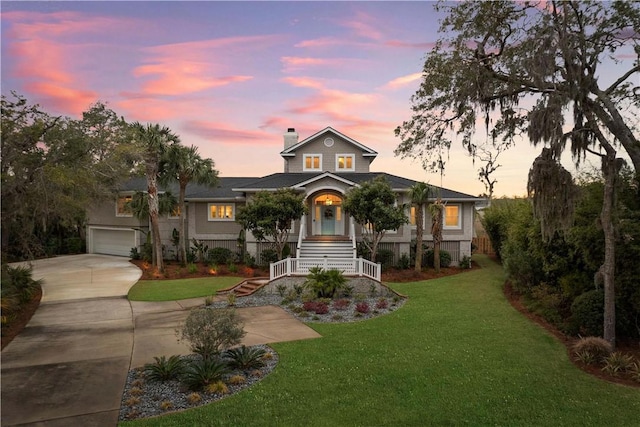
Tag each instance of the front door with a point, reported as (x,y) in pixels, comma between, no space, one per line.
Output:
(328,218)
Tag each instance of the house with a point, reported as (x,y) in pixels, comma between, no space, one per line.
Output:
(323,166)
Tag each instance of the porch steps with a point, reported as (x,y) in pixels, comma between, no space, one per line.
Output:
(312,248)
(245,288)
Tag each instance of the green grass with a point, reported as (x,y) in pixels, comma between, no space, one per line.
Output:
(456,354)
(170,290)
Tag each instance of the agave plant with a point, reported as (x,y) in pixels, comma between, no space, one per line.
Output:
(164,369)
(245,358)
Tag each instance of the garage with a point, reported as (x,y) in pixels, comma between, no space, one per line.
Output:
(112,241)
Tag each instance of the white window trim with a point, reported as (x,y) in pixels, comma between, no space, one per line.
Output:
(304,162)
(353,162)
(453,227)
(123,215)
(233,208)
(170,216)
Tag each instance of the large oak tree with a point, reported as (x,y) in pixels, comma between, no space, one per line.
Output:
(533,70)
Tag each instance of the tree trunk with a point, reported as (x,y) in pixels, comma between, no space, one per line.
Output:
(610,170)
(419,236)
(152,190)
(436,232)
(183,237)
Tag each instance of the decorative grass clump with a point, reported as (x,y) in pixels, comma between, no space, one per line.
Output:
(594,349)
(617,363)
(201,373)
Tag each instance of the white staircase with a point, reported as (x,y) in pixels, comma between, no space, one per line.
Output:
(326,248)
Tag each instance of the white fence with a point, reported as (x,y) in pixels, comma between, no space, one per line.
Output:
(349,267)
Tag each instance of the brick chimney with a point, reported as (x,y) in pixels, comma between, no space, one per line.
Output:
(290,138)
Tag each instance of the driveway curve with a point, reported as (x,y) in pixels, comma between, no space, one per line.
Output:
(69,365)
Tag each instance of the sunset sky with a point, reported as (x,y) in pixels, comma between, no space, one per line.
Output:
(231,77)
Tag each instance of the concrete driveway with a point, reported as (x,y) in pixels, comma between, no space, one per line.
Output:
(69,365)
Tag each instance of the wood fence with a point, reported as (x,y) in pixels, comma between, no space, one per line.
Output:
(482,245)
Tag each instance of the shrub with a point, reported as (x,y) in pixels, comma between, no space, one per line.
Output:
(321,308)
(245,358)
(220,256)
(362,307)
(164,369)
(325,283)
(385,257)
(382,304)
(341,304)
(404,262)
(233,268)
(309,305)
(134,254)
(635,371)
(597,347)
(20,282)
(231,299)
(465,262)
(200,373)
(586,357)
(192,268)
(209,331)
(445,258)
(282,290)
(587,313)
(268,256)
(617,362)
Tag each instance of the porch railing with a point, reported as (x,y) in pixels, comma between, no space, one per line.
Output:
(349,267)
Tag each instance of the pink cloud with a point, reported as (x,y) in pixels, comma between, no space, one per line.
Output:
(43,52)
(295,63)
(403,81)
(364,26)
(223,134)
(190,67)
(403,44)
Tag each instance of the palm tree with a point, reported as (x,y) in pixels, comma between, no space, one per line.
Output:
(419,195)
(185,165)
(154,142)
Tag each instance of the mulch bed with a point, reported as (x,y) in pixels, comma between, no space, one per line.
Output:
(628,347)
(20,319)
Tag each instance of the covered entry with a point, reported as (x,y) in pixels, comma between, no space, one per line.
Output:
(327,215)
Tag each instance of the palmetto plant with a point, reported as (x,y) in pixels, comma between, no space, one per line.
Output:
(245,358)
(325,283)
(200,373)
(164,369)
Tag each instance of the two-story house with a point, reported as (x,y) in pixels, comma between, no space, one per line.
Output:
(323,166)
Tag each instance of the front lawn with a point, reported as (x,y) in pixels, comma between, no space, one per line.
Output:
(170,290)
(457,353)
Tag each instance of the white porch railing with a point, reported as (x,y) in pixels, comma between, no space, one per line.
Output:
(301,234)
(349,267)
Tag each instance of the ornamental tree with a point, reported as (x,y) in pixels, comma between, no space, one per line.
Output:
(373,205)
(534,70)
(269,216)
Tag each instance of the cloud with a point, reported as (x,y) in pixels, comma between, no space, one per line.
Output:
(189,67)
(365,26)
(223,134)
(43,52)
(402,81)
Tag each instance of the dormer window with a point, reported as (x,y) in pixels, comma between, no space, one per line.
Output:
(312,162)
(345,162)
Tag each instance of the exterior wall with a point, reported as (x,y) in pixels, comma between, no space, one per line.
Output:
(316,146)
(104,214)
(201,228)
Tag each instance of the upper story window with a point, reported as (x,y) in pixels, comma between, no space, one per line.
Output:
(345,162)
(312,162)
(123,206)
(222,212)
(452,217)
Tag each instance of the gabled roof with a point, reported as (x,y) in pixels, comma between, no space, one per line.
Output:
(366,151)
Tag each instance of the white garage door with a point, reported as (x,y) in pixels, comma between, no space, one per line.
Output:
(113,242)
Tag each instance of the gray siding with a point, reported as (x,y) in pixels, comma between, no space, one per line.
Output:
(316,146)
